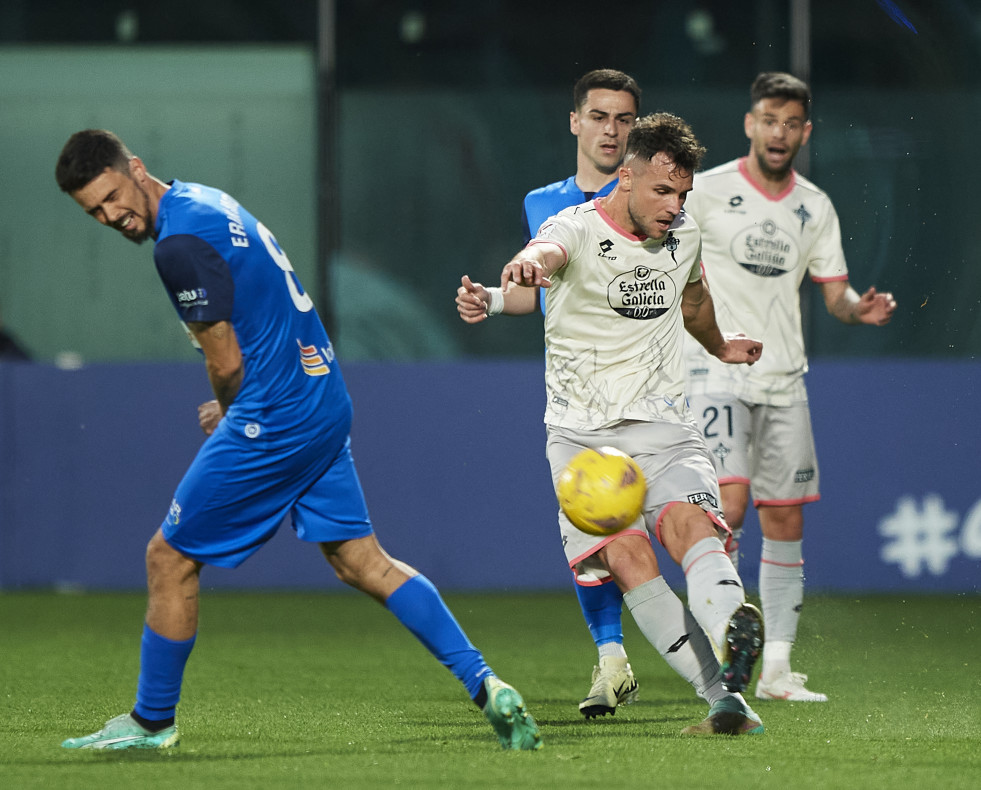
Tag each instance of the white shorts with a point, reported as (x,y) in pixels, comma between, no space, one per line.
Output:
(769,448)
(675,463)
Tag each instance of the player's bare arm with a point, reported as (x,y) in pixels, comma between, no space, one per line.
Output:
(473,300)
(534,265)
(698,312)
(844,303)
(223,359)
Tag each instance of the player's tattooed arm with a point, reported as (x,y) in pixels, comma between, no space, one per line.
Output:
(844,303)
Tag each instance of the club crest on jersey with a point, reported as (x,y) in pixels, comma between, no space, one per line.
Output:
(764,249)
(671,243)
(641,293)
(803,214)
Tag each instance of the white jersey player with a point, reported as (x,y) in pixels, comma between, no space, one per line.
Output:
(757,250)
(597,374)
(764,228)
(623,284)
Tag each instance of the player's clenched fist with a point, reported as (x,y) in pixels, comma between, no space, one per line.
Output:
(471,301)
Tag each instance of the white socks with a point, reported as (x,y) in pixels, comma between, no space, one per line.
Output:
(714,588)
(612,650)
(782,595)
(671,629)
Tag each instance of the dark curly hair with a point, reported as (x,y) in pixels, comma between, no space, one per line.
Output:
(662,132)
(86,155)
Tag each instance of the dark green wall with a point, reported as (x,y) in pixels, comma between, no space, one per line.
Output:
(430,184)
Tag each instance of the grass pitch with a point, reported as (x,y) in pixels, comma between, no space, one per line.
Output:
(310,691)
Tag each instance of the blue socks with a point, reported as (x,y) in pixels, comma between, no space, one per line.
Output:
(162,663)
(602,605)
(419,607)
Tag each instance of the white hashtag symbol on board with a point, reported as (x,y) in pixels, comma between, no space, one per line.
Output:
(919,537)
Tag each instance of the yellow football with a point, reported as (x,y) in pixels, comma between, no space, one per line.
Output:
(602,491)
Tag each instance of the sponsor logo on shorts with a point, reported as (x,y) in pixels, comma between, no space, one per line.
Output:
(703,496)
(803,475)
(174,515)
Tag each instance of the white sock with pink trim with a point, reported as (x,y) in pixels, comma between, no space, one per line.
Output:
(782,596)
(714,587)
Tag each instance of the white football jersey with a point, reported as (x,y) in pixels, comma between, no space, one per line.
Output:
(613,324)
(756,249)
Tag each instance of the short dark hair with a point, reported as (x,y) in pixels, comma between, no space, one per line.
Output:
(662,132)
(780,85)
(610,79)
(86,155)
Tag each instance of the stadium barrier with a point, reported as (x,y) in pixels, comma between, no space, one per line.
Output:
(451,457)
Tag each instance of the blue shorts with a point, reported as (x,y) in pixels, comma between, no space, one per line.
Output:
(238,491)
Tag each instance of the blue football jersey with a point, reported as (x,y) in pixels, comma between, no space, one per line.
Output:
(547,201)
(219,263)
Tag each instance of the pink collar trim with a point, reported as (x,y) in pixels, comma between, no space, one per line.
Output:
(745,173)
(609,221)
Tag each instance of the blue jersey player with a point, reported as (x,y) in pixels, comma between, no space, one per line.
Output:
(277,439)
(606,103)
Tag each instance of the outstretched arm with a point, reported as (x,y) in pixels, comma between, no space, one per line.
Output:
(698,312)
(844,303)
(527,271)
(473,300)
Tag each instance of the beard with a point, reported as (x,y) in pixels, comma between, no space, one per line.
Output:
(138,237)
(774,173)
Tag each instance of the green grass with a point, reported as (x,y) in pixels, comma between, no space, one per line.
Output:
(306,690)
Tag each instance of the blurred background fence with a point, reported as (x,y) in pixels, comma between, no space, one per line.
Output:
(388,146)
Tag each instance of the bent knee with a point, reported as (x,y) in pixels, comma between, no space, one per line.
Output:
(363,564)
(164,561)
